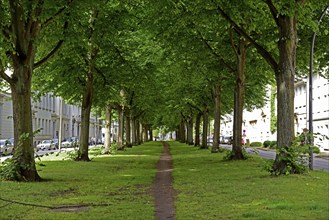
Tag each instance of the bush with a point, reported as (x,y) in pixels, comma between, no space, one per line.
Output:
(291,160)
(255,144)
(273,144)
(267,143)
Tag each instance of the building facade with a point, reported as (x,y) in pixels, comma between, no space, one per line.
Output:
(257,123)
(47,114)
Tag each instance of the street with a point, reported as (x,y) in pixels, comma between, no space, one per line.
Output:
(318,163)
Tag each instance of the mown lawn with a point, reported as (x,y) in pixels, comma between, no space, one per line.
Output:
(207,187)
(113,187)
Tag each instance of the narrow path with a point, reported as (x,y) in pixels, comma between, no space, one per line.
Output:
(163,191)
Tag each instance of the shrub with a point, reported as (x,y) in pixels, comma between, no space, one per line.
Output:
(267,143)
(273,144)
(293,158)
(255,144)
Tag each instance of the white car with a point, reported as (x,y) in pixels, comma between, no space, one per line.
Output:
(46,145)
(6,146)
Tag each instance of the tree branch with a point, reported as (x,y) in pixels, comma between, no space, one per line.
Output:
(53,51)
(221,59)
(232,41)
(4,75)
(60,11)
(50,55)
(261,50)
(274,11)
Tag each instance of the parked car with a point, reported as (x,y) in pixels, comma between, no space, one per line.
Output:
(46,145)
(6,146)
(226,139)
(56,143)
(70,142)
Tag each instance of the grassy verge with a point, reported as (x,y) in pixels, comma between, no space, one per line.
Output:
(209,188)
(113,187)
(117,187)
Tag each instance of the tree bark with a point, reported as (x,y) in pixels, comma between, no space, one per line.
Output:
(88,93)
(120,128)
(182,131)
(151,134)
(108,120)
(197,129)
(285,76)
(217,112)
(145,131)
(190,130)
(138,132)
(133,133)
(25,169)
(128,128)
(239,96)
(205,122)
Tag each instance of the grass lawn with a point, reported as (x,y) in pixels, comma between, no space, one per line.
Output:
(117,187)
(207,187)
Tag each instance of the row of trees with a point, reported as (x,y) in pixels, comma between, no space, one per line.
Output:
(158,63)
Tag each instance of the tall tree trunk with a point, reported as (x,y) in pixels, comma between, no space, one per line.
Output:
(133,133)
(197,129)
(182,131)
(108,120)
(217,96)
(151,133)
(145,131)
(25,169)
(128,128)
(87,100)
(88,93)
(285,76)
(205,120)
(239,96)
(120,128)
(138,132)
(190,130)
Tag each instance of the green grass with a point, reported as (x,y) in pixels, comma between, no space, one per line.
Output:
(118,186)
(207,187)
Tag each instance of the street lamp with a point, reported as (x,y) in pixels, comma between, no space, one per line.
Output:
(310,101)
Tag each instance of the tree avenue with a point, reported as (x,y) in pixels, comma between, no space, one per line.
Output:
(158,64)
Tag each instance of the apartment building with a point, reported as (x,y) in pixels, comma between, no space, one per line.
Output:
(46,116)
(257,123)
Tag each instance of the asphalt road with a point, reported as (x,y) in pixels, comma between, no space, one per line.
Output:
(318,163)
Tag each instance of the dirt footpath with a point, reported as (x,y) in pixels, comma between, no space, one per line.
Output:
(163,191)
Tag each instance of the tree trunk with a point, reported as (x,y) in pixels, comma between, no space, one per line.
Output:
(145,131)
(182,131)
(108,120)
(239,96)
(88,93)
(190,130)
(133,133)
(87,100)
(215,146)
(128,128)
(151,134)
(197,129)
(285,76)
(138,132)
(120,128)
(204,144)
(25,169)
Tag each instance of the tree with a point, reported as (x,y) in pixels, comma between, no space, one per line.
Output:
(282,61)
(22,27)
